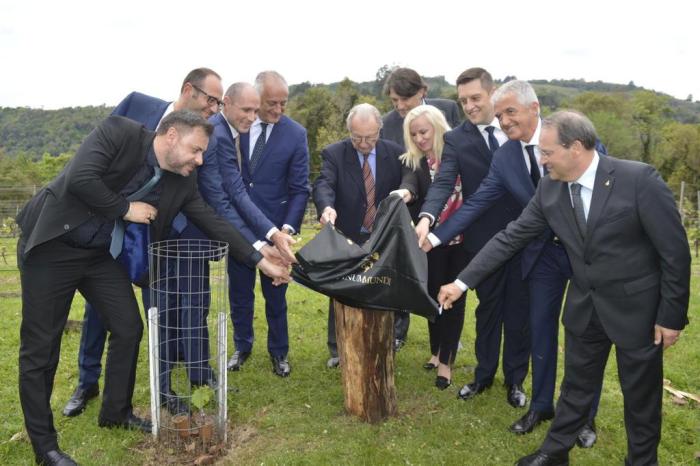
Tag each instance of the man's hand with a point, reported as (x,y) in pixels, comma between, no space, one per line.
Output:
(283,242)
(422,230)
(449,294)
(427,245)
(140,212)
(404,193)
(272,254)
(666,335)
(329,215)
(278,274)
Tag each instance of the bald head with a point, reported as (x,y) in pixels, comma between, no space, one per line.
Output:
(241,106)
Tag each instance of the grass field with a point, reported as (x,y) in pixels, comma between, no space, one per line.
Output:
(300,420)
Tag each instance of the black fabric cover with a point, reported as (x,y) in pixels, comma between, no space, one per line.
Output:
(389,272)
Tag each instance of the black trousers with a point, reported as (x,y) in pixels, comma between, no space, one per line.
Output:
(502,315)
(50,275)
(640,371)
(444,264)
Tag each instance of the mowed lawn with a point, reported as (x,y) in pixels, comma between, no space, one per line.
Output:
(300,420)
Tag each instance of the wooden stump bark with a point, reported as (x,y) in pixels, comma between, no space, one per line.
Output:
(365,347)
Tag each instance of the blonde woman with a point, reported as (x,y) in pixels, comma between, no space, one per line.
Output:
(424,128)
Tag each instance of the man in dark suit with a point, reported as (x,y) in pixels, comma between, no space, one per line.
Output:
(503,297)
(356,174)
(275,169)
(545,266)
(70,233)
(221,185)
(407,90)
(200,92)
(629,253)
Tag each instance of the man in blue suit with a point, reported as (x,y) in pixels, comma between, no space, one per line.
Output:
(340,193)
(502,306)
(221,186)
(516,171)
(275,169)
(201,92)
(407,90)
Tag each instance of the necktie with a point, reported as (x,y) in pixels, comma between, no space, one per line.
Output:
(493,142)
(259,146)
(534,169)
(579,213)
(115,248)
(371,211)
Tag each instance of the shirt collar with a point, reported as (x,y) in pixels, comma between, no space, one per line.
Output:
(373,152)
(535,140)
(494,123)
(234,132)
(587,179)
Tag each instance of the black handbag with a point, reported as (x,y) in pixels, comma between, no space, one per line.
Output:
(389,272)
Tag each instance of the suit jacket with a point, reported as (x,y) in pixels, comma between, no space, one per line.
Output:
(90,184)
(221,186)
(467,155)
(341,185)
(279,186)
(143,108)
(632,269)
(392,129)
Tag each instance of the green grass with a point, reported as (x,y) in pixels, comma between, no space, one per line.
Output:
(300,420)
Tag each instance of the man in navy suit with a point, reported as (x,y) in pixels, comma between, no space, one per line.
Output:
(275,169)
(503,297)
(201,92)
(221,185)
(406,90)
(339,191)
(515,171)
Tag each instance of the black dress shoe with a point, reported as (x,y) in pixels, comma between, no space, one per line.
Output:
(78,400)
(470,390)
(55,458)
(237,360)
(429,366)
(516,396)
(587,436)
(442,382)
(333,362)
(280,366)
(529,421)
(542,459)
(131,422)
(174,403)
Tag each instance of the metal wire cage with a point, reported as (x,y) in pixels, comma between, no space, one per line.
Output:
(187,338)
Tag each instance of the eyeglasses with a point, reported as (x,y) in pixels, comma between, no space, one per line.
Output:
(367,139)
(211,100)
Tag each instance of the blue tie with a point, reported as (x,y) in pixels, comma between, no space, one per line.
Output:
(493,142)
(115,248)
(259,146)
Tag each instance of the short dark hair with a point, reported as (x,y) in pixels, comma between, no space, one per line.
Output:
(184,119)
(405,82)
(197,77)
(476,73)
(572,126)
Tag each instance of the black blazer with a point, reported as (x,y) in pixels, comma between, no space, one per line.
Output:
(90,184)
(633,268)
(341,185)
(467,155)
(392,128)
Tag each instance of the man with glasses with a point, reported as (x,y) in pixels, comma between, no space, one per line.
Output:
(275,169)
(356,174)
(201,92)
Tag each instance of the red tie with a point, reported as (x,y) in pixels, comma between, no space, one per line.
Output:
(369,189)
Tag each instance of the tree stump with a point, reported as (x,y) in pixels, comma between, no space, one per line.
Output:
(365,347)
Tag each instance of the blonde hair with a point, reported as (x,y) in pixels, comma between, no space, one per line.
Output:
(436,118)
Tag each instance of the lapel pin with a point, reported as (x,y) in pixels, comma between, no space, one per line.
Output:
(607,183)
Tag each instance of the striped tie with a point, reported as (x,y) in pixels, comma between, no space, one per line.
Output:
(369,189)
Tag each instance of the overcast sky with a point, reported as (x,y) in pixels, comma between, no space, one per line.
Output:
(78,52)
